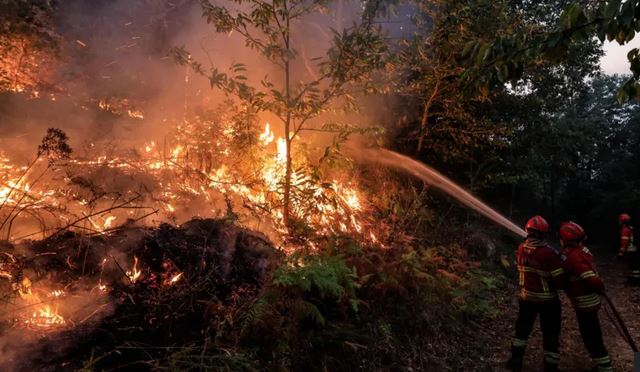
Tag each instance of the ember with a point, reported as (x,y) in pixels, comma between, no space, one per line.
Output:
(45,317)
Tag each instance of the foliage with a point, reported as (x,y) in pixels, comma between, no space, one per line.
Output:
(55,145)
(427,71)
(574,163)
(197,358)
(504,59)
(269,29)
(303,290)
(475,296)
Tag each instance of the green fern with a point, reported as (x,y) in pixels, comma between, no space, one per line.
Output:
(329,276)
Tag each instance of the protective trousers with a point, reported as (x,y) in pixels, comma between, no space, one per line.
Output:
(589,325)
(634,266)
(550,323)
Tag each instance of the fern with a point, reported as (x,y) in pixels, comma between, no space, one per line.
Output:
(255,314)
(329,276)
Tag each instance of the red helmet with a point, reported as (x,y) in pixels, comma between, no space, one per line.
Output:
(624,218)
(537,223)
(571,232)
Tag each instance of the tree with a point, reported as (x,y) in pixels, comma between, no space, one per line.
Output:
(496,140)
(447,128)
(505,58)
(269,27)
(28,44)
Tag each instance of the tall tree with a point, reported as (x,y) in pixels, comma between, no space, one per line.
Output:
(269,28)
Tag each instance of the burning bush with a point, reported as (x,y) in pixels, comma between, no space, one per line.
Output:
(109,296)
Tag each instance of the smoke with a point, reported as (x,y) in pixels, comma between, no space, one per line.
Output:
(116,54)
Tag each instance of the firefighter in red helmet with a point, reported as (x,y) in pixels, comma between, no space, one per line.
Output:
(540,275)
(628,247)
(584,287)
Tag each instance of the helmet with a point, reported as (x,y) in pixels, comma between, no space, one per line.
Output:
(537,223)
(624,218)
(571,232)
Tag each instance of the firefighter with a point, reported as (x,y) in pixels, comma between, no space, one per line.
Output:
(628,248)
(540,275)
(584,287)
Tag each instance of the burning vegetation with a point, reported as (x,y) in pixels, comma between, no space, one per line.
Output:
(173,198)
(209,161)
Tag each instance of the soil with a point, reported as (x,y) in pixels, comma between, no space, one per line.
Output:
(574,356)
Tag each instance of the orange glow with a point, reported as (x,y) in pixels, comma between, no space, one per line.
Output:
(190,169)
(134,274)
(45,317)
(267,136)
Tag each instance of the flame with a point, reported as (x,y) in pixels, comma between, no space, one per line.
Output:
(108,222)
(135,273)
(46,317)
(135,114)
(57,293)
(267,136)
(175,153)
(173,279)
(281,156)
(328,207)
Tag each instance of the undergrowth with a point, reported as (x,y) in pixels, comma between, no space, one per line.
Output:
(363,308)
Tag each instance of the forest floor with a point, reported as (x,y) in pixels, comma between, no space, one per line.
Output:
(574,356)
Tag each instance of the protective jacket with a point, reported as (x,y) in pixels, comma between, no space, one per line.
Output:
(626,240)
(540,271)
(583,282)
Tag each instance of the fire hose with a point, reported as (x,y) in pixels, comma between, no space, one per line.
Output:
(622,329)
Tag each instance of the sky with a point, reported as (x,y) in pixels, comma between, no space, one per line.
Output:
(615,58)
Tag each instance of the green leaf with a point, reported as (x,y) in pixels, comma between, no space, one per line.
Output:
(612,8)
(503,73)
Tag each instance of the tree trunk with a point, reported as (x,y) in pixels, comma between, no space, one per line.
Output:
(287,127)
(425,114)
(16,75)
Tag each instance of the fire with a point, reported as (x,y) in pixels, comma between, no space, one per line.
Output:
(267,136)
(173,279)
(175,153)
(57,293)
(193,166)
(46,317)
(135,114)
(135,273)
(108,222)
(101,287)
(281,156)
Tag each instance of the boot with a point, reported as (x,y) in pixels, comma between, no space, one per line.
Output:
(517,357)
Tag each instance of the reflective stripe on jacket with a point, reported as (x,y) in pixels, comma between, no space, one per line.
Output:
(626,240)
(539,270)
(584,283)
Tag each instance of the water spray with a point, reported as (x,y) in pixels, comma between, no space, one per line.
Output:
(431,176)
